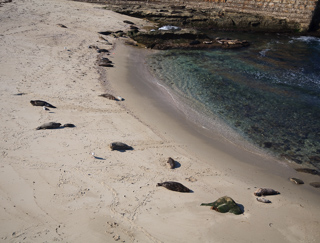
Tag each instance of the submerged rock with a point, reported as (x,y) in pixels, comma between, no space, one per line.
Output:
(223,205)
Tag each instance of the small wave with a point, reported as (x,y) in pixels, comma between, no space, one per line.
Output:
(263,52)
(306,39)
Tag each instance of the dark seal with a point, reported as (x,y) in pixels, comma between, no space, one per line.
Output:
(171,163)
(49,125)
(119,146)
(174,186)
(41,103)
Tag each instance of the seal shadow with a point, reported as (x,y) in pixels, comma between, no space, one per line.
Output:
(176,165)
(124,150)
(100,158)
(241,207)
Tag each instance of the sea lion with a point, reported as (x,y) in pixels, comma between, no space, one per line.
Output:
(108,96)
(315,184)
(119,146)
(171,163)
(41,103)
(308,170)
(69,125)
(263,200)
(223,205)
(265,191)
(297,181)
(49,125)
(174,186)
(105,62)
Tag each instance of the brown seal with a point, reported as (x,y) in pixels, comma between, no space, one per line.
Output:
(174,186)
(108,96)
(297,181)
(49,125)
(265,191)
(171,163)
(41,103)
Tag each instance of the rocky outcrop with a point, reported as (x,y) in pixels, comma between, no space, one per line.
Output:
(183,39)
(193,17)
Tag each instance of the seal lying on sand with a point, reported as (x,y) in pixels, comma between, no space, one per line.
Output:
(171,163)
(108,96)
(297,181)
(224,205)
(41,103)
(119,146)
(263,200)
(265,191)
(49,125)
(174,186)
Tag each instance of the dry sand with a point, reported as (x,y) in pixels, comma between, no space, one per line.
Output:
(52,189)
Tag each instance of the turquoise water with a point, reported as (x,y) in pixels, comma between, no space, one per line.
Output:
(269,92)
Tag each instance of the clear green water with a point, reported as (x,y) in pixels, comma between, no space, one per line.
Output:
(269,92)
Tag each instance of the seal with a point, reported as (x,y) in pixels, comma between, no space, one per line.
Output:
(171,163)
(263,200)
(49,125)
(108,96)
(224,205)
(174,186)
(265,191)
(119,146)
(41,103)
(296,181)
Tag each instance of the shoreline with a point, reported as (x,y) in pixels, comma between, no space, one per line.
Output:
(54,189)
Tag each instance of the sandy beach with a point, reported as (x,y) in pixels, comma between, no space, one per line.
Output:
(53,189)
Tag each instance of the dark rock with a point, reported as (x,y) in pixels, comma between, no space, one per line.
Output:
(315,184)
(174,186)
(267,144)
(194,42)
(119,146)
(223,205)
(308,170)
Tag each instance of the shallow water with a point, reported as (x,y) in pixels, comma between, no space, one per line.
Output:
(269,92)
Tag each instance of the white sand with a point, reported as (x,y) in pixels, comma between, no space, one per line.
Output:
(53,190)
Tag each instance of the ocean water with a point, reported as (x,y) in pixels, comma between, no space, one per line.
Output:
(269,93)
